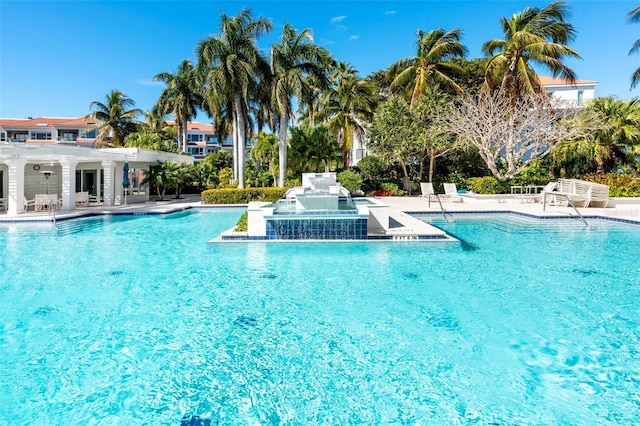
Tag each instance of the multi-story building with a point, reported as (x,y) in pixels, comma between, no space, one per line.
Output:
(574,94)
(56,157)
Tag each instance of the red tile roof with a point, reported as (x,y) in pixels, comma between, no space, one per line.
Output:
(552,81)
(46,122)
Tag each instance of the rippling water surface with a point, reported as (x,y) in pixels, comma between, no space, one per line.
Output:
(138,320)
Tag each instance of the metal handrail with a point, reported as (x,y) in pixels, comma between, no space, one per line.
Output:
(52,213)
(544,204)
(444,212)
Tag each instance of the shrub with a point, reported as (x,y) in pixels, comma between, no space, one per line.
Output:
(620,185)
(458,179)
(241,195)
(243,222)
(391,188)
(351,180)
(225,177)
(487,185)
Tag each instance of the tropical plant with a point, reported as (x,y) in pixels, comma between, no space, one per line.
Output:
(634,17)
(116,117)
(351,180)
(532,37)
(157,178)
(181,97)
(265,152)
(228,64)
(347,106)
(431,67)
(614,140)
(431,141)
(178,176)
(293,58)
(148,140)
(393,135)
(312,149)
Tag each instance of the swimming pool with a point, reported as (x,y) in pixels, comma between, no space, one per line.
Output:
(137,320)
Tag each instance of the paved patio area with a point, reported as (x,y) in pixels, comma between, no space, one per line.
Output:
(623,209)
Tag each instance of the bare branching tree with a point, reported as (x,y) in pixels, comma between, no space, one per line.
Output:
(510,136)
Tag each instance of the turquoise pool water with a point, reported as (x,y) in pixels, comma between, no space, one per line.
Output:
(137,320)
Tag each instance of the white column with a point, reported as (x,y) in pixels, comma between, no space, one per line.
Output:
(109,182)
(16,186)
(68,183)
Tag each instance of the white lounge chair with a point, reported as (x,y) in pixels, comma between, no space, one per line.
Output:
(451,193)
(426,188)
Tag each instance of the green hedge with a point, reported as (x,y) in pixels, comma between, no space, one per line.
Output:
(620,185)
(487,185)
(241,195)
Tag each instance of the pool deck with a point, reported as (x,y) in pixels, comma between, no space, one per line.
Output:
(403,224)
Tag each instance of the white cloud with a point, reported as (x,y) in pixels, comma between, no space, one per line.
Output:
(390,12)
(354,37)
(325,42)
(147,82)
(338,19)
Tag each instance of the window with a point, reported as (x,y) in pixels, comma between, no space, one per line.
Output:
(3,137)
(41,136)
(69,137)
(195,150)
(580,95)
(21,137)
(195,138)
(211,140)
(88,134)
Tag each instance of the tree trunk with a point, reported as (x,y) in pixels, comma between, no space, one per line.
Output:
(432,164)
(234,132)
(242,135)
(185,131)
(406,182)
(282,151)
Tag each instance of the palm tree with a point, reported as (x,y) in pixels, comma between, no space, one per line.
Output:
(116,117)
(154,121)
(634,17)
(180,96)
(622,132)
(293,58)
(347,106)
(228,64)
(431,67)
(533,36)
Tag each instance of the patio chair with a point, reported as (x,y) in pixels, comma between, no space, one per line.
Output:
(565,190)
(29,203)
(426,188)
(451,193)
(82,199)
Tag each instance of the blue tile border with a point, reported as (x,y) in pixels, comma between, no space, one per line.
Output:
(528,215)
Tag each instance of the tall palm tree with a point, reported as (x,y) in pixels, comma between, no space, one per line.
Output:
(116,117)
(431,67)
(634,17)
(181,97)
(533,36)
(293,58)
(347,106)
(228,63)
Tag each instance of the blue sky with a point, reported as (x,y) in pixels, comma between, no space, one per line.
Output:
(56,57)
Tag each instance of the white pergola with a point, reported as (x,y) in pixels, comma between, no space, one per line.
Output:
(22,163)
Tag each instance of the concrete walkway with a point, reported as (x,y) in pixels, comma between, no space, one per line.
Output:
(627,209)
